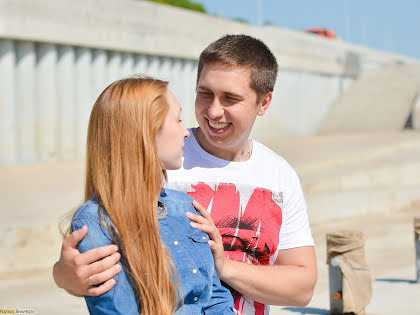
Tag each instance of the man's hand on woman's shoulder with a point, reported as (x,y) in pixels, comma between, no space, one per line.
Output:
(80,274)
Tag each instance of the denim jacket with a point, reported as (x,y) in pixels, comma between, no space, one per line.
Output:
(190,252)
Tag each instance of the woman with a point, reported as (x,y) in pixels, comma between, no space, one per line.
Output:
(135,134)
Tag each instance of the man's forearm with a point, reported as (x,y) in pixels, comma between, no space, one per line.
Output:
(276,285)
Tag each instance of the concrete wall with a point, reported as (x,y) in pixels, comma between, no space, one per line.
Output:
(56,57)
(48,90)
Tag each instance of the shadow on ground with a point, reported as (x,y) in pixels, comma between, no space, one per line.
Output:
(308,310)
(396,280)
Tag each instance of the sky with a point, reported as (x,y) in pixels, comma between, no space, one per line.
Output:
(386,25)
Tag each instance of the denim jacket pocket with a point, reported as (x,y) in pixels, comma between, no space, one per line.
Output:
(198,237)
(200,241)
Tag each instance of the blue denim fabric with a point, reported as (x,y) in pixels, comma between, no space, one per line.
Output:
(192,257)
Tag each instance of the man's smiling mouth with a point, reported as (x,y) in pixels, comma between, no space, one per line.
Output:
(218,125)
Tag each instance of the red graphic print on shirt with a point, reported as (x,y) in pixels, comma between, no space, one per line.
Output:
(250,230)
(250,234)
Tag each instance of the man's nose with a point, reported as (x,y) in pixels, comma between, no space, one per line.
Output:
(216,109)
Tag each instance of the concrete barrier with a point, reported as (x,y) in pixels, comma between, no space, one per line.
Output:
(350,279)
(415,114)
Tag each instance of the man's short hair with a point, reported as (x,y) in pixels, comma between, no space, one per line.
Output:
(244,51)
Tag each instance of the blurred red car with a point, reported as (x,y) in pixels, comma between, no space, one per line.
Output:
(321,31)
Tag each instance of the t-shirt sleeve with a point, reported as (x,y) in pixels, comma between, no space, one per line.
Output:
(295,230)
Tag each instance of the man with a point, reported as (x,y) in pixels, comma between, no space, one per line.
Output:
(252,194)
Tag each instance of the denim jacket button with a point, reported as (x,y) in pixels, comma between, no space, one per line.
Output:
(194,270)
(195,299)
(176,243)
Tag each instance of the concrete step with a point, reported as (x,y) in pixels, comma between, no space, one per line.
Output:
(37,292)
(355,174)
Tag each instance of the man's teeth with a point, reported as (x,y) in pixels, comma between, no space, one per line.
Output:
(218,125)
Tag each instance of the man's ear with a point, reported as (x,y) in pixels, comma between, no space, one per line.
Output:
(265,103)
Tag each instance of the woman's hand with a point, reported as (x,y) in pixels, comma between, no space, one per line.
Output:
(79,274)
(206,224)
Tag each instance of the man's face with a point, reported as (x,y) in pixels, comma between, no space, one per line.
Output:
(226,107)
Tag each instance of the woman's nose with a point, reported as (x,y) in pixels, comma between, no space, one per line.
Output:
(186,132)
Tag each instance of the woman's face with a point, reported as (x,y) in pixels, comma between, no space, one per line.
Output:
(170,137)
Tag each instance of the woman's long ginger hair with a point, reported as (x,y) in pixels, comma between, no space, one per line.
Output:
(124,174)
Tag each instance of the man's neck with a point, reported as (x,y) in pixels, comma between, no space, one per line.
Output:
(240,153)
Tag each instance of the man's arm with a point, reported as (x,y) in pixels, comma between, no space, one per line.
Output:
(290,281)
(73,270)
(120,299)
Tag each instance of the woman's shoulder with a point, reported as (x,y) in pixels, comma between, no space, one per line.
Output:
(88,211)
(91,215)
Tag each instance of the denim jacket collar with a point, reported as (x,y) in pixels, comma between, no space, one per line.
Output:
(162,210)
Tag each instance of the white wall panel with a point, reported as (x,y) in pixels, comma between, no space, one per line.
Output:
(153,68)
(165,69)
(47,100)
(99,72)
(66,102)
(114,67)
(174,78)
(25,103)
(127,67)
(187,80)
(84,99)
(8,112)
(141,64)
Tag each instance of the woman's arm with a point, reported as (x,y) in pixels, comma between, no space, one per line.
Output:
(221,301)
(120,299)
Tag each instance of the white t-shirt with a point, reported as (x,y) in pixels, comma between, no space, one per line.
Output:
(257,205)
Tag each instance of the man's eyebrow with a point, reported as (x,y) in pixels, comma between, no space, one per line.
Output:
(203,88)
(234,95)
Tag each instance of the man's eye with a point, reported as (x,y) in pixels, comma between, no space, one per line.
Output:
(205,94)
